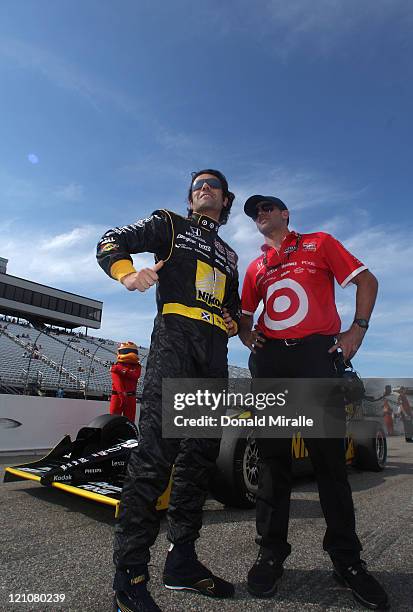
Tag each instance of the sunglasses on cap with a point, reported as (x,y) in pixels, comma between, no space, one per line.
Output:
(126,351)
(212,182)
(263,207)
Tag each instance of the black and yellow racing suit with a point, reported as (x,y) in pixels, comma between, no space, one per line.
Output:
(189,340)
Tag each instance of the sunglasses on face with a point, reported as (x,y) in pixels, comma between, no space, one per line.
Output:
(264,207)
(212,182)
(126,351)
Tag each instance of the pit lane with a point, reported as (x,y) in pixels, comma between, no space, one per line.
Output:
(52,542)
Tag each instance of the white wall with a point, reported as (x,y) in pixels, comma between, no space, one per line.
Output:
(44,420)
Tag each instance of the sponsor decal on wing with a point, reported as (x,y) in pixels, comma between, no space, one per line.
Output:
(9,423)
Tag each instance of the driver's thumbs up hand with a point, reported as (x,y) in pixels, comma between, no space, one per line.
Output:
(158,266)
(143,279)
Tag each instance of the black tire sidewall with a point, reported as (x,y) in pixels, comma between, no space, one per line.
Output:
(114,428)
(364,435)
(227,484)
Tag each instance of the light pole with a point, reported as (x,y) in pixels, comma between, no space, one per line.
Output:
(90,366)
(30,360)
(62,360)
(3,329)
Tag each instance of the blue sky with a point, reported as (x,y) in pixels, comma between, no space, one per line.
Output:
(107,107)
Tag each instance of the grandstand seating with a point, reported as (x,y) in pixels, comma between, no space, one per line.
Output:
(43,361)
(50,359)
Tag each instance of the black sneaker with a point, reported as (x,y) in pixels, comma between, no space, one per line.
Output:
(183,572)
(265,574)
(364,586)
(134,602)
(131,594)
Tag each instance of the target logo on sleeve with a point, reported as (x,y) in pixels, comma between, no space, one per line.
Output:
(286,304)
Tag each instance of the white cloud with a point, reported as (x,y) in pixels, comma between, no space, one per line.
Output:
(66,261)
(60,260)
(380,248)
(18,194)
(327,25)
(390,356)
(64,74)
(72,192)
(96,91)
(14,188)
(68,239)
(173,140)
(320,27)
(122,324)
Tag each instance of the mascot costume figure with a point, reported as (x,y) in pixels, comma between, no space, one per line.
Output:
(125,375)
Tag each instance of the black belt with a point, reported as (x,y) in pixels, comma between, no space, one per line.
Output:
(297,341)
(129,393)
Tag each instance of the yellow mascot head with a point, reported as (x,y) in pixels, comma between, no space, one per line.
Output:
(128,353)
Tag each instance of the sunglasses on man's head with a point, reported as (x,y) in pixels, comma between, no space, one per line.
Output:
(263,207)
(212,182)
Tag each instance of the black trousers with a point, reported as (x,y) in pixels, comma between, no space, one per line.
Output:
(180,348)
(307,360)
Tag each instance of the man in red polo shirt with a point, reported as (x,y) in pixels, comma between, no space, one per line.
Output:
(297,336)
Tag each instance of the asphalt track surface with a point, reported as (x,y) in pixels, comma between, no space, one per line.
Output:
(52,542)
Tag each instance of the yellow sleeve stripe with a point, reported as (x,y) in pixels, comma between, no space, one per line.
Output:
(121,268)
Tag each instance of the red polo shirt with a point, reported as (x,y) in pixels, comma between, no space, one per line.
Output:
(296,285)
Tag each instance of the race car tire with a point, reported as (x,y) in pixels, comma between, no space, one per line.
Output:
(235,480)
(114,429)
(370,445)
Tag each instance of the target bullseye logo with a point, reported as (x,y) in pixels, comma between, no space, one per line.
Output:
(286,304)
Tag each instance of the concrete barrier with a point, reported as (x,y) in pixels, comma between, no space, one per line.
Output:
(30,423)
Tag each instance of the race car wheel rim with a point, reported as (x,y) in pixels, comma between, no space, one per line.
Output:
(250,466)
(380,447)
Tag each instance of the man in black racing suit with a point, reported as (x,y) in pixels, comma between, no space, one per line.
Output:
(197,292)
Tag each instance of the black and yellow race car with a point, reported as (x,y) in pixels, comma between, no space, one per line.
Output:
(235,481)
(94,464)
(91,466)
